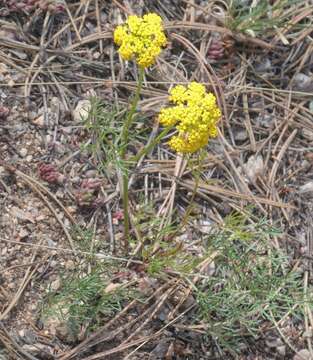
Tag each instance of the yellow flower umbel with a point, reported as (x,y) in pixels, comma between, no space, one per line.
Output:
(141,39)
(195,117)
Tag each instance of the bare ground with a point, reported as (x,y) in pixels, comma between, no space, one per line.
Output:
(52,61)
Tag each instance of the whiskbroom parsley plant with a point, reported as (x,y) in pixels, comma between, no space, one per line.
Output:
(195,116)
(142,40)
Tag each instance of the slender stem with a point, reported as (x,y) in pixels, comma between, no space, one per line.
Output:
(124,138)
(130,114)
(149,147)
(184,220)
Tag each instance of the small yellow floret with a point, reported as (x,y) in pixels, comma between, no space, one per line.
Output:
(195,117)
(141,39)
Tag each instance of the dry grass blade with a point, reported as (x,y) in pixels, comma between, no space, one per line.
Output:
(212,189)
(13,347)
(27,278)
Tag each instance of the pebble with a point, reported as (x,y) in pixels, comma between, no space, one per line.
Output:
(274,342)
(55,285)
(50,242)
(264,65)
(39,121)
(70,265)
(81,111)
(91,173)
(63,332)
(205,226)
(67,223)
(281,350)
(23,233)
(303,82)
(254,167)
(67,130)
(240,135)
(265,120)
(23,152)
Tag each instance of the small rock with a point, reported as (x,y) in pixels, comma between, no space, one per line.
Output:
(147,285)
(81,111)
(76,179)
(67,223)
(22,215)
(39,121)
(71,209)
(23,234)
(56,105)
(23,152)
(163,314)
(281,350)
(274,342)
(64,333)
(264,65)
(47,118)
(265,120)
(303,354)
(96,55)
(190,301)
(67,130)
(205,226)
(70,265)
(55,285)
(240,135)
(303,82)
(254,167)
(111,287)
(50,242)
(91,173)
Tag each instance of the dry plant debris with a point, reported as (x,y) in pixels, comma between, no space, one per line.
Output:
(220,265)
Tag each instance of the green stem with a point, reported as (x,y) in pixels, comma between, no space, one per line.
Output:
(150,146)
(124,138)
(184,220)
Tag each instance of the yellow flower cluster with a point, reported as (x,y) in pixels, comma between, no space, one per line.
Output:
(195,117)
(141,38)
